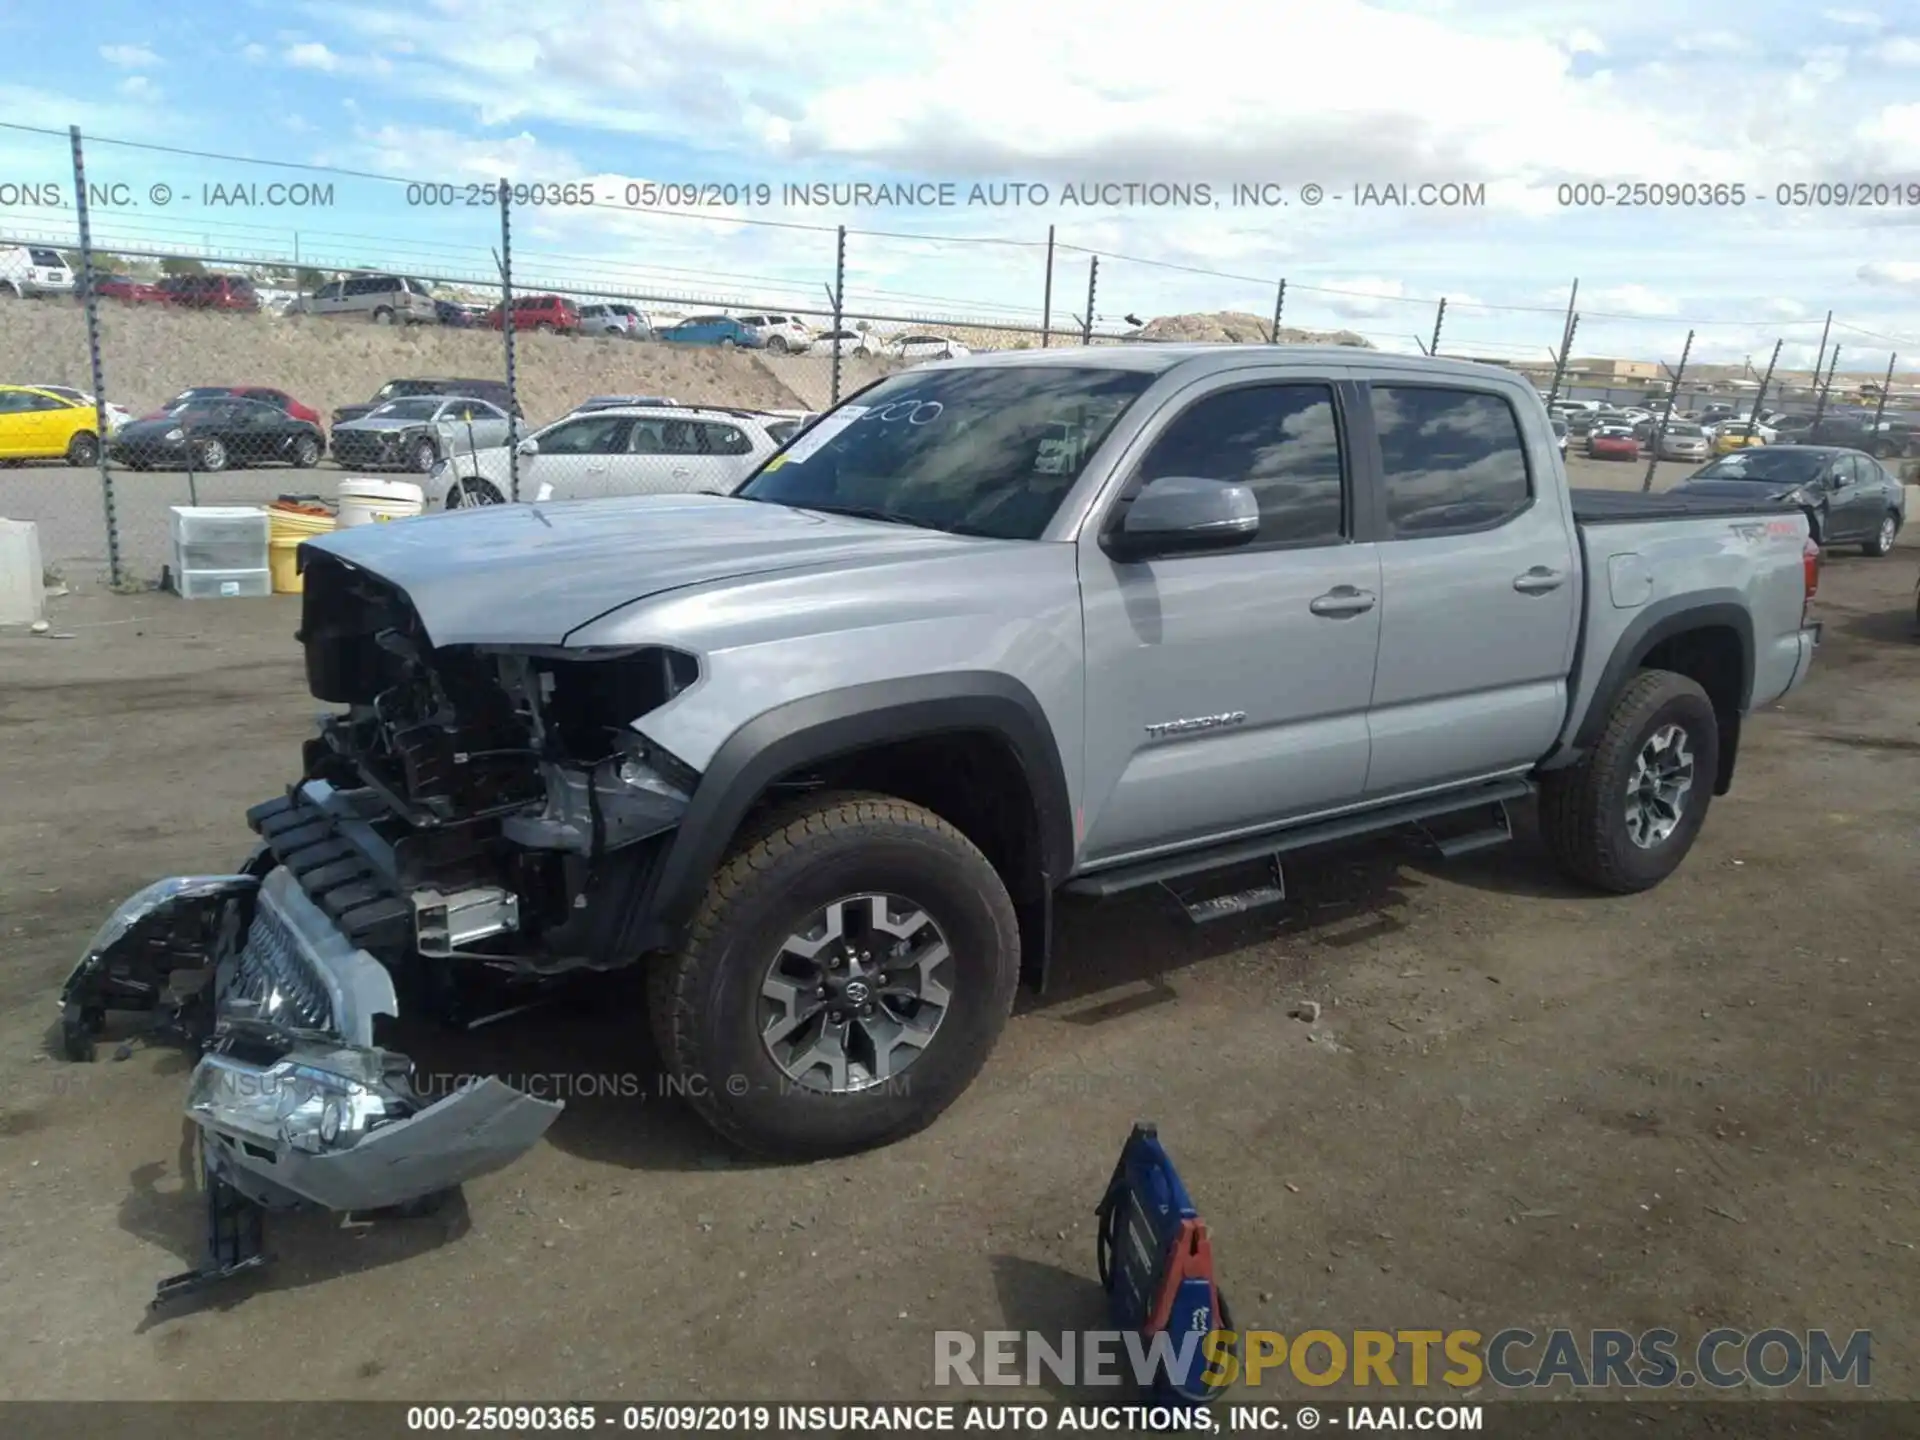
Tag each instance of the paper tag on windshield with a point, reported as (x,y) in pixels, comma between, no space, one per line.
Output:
(822,431)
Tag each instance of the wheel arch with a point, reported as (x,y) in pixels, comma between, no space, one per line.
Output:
(1709,640)
(865,732)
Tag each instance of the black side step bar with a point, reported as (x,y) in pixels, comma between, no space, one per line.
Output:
(1495,793)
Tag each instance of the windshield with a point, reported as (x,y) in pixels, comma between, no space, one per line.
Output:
(422,408)
(981,451)
(1686,432)
(1783,466)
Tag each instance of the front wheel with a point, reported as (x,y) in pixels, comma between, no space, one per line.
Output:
(1882,541)
(383,316)
(83,449)
(727,343)
(465,494)
(777,344)
(212,457)
(845,978)
(306,452)
(1624,817)
(424,457)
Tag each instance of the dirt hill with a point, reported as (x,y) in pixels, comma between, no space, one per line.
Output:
(151,353)
(1237,328)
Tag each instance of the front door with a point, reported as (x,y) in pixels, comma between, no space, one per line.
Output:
(1228,691)
(1480,595)
(576,459)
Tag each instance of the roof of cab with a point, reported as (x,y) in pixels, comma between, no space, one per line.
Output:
(1159,358)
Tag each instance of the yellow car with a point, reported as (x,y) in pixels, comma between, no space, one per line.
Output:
(1726,442)
(39,425)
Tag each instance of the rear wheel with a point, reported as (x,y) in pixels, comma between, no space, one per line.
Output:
(777,344)
(83,449)
(212,456)
(383,316)
(1624,817)
(543,328)
(465,494)
(306,452)
(1883,538)
(846,976)
(726,342)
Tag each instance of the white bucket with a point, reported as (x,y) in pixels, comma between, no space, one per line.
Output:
(372,502)
(23,596)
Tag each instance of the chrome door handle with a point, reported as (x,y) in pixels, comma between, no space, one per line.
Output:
(1342,601)
(681,470)
(1539,580)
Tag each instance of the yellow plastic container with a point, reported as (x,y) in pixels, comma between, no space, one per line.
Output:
(286,528)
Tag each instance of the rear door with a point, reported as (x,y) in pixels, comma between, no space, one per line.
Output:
(728,454)
(1855,506)
(1479,590)
(1228,691)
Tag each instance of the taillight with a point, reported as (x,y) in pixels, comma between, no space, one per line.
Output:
(1810,572)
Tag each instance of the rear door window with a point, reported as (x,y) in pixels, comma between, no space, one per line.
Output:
(1451,460)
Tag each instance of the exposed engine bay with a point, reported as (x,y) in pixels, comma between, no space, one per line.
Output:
(475,818)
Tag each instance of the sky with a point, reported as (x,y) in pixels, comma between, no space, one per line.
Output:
(685,124)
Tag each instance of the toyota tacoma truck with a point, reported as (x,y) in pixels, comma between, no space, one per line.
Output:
(821,753)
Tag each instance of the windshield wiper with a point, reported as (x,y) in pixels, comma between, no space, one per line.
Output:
(871,512)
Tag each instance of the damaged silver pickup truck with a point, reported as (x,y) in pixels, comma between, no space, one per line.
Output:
(819,754)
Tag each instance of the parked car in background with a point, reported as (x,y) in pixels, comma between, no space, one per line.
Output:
(1853,432)
(218,433)
(37,424)
(614,319)
(494,392)
(1612,442)
(460,314)
(620,402)
(382,299)
(846,343)
(116,415)
(265,394)
(416,432)
(640,450)
(926,347)
(780,333)
(1730,435)
(29,271)
(548,314)
(722,330)
(1848,496)
(782,428)
(212,292)
(1580,424)
(1684,441)
(123,288)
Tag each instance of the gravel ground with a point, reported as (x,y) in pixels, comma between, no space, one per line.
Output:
(1520,1105)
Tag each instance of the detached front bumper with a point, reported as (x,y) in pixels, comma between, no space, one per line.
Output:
(296,1104)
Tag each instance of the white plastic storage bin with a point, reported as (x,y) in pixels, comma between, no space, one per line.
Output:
(219,550)
(223,584)
(23,596)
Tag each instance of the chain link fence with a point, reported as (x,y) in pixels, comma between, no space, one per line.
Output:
(493,353)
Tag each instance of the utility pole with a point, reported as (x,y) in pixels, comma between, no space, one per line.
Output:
(1046,303)
(1279,304)
(1660,430)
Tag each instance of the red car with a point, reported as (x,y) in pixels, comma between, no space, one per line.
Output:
(1613,445)
(552,313)
(279,399)
(122,287)
(211,292)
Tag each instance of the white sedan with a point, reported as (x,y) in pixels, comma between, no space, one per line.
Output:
(927,347)
(845,343)
(116,416)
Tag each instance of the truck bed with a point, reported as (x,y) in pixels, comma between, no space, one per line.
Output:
(1614,507)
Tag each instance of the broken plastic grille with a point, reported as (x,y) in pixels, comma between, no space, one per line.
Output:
(274,981)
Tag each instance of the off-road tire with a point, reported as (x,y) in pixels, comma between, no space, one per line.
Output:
(704,1001)
(1881,544)
(1583,807)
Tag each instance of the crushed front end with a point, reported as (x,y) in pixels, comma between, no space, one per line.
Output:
(475,818)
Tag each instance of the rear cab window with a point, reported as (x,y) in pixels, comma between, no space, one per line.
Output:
(1453,460)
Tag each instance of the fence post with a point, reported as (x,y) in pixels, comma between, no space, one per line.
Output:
(1560,366)
(1753,416)
(1826,387)
(1666,415)
(93,355)
(839,303)
(1438,319)
(507,332)
(1279,304)
(1820,357)
(1046,303)
(1881,408)
(1093,284)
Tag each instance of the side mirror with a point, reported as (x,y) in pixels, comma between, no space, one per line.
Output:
(529,446)
(1839,479)
(1185,515)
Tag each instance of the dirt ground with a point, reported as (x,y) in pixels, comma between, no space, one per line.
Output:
(1520,1105)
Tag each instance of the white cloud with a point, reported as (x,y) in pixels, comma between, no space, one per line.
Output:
(138,87)
(129,57)
(312,55)
(1898,50)
(1901,273)
(1629,300)
(1714,42)
(1859,19)
(254,53)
